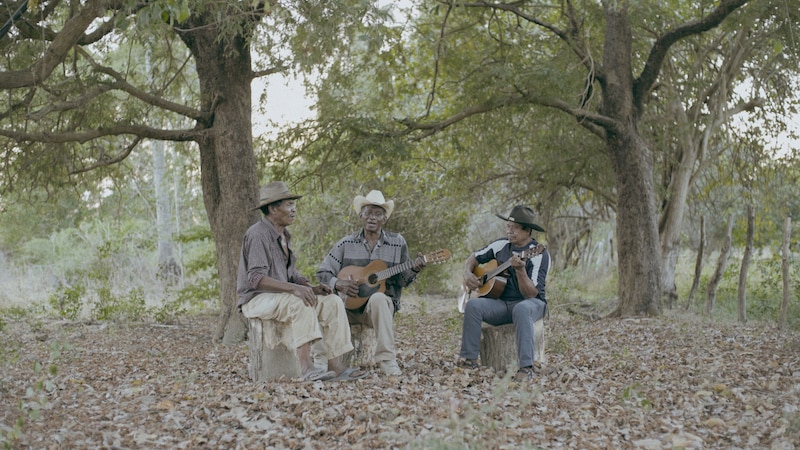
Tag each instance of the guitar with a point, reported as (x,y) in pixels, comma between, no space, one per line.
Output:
(372,277)
(492,284)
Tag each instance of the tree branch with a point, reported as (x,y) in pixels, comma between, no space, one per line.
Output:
(62,43)
(595,123)
(646,80)
(118,130)
(270,71)
(203,117)
(102,162)
(571,36)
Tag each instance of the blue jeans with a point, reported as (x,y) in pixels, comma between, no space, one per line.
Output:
(522,313)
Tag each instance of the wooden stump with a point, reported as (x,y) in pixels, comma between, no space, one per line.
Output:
(499,346)
(272,352)
(364,344)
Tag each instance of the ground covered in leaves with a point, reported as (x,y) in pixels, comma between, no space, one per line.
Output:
(671,382)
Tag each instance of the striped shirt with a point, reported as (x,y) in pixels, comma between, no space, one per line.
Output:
(353,250)
(262,256)
(536,267)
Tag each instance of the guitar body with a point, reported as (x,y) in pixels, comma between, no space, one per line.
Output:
(368,282)
(493,287)
(372,277)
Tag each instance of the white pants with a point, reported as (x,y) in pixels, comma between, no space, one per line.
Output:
(378,315)
(327,321)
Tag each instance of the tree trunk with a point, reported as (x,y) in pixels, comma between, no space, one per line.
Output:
(229,179)
(168,267)
(698,264)
(741,305)
(785,255)
(695,126)
(672,221)
(722,263)
(637,230)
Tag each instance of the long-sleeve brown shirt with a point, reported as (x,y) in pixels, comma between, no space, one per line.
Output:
(263,256)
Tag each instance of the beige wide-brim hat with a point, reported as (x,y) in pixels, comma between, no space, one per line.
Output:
(524,216)
(373,198)
(273,192)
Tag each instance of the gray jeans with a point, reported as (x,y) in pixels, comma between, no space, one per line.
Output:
(522,313)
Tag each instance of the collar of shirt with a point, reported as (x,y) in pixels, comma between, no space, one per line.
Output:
(363,237)
(273,233)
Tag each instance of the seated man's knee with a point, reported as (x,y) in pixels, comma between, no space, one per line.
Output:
(330,305)
(379,304)
(529,309)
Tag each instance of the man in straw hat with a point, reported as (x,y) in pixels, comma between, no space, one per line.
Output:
(520,298)
(372,243)
(270,287)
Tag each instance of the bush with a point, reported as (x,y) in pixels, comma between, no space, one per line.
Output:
(67,301)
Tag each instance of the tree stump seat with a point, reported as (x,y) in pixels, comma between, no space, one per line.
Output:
(364,342)
(272,352)
(498,348)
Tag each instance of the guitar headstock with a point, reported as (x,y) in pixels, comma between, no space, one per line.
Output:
(533,251)
(437,257)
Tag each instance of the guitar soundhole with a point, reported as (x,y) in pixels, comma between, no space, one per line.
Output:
(372,278)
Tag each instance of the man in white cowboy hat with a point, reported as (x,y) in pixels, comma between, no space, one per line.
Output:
(270,287)
(370,244)
(518,297)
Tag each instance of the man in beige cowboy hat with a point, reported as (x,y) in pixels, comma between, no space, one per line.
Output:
(270,287)
(369,245)
(521,298)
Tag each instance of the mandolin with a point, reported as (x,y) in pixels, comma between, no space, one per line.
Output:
(372,277)
(489,273)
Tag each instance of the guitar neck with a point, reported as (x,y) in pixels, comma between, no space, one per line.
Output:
(497,271)
(394,270)
(529,253)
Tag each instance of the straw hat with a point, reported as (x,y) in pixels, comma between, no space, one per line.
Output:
(273,192)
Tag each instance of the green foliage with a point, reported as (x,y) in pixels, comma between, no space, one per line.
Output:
(110,306)
(764,290)
(200,268)
(16,312)
(633,395)
(67,301)
(36,396)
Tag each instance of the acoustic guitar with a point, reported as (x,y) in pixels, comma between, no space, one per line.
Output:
(489,273)
(372,277)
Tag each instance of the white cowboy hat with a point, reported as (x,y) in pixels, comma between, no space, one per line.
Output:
(373,198)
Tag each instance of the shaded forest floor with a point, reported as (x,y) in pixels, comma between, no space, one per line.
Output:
(672,382)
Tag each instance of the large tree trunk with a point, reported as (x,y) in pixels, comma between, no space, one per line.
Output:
(637,230)
(229,178)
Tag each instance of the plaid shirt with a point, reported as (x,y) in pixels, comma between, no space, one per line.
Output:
(262,256)
(353,250)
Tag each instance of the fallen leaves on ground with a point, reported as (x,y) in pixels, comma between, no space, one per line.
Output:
(671,382)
